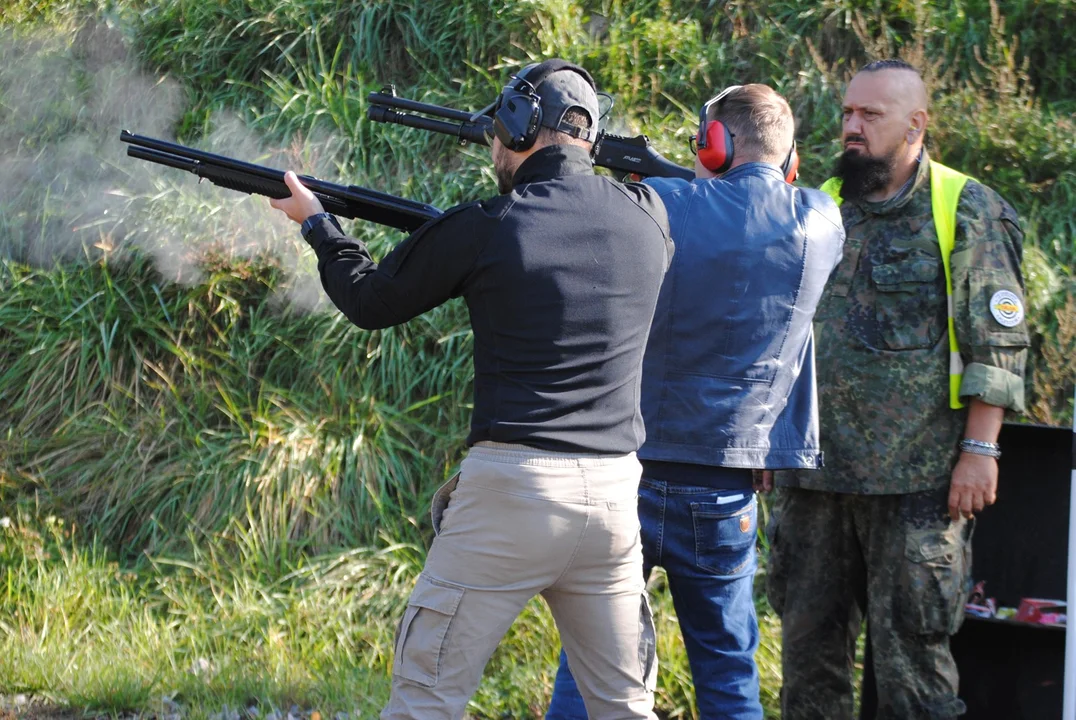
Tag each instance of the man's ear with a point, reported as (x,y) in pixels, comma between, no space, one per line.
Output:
(917,126)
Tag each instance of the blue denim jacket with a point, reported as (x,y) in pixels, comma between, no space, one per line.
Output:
(728,375)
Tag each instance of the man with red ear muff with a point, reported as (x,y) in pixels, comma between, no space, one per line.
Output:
(714,144)
(728,385)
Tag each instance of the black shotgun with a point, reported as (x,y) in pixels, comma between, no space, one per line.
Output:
(623,155)
(348,201)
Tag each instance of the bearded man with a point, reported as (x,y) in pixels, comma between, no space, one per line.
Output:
(921,344)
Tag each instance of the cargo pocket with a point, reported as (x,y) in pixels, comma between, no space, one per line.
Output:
(648,645)
(910,303)
(725,536)
(935,579)
(421,637)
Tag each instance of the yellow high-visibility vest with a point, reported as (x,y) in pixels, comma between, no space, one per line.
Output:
(946,185)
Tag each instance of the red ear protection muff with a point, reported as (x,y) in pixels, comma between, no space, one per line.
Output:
(517,115)
(714,139)
(715,147)
(791,166)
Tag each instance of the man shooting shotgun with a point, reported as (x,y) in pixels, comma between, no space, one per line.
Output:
(560,273)
(633,156)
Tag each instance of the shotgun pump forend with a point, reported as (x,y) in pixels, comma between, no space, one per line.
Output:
(622,155)
(348,201)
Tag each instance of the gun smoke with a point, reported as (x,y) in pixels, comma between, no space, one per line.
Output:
(70,193)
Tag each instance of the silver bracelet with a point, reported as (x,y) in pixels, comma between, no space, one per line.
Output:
(978,447)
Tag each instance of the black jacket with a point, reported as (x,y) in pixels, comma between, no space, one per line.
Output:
(560,276)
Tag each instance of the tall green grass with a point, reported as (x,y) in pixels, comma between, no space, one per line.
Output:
(217,629)
(147,407)
(248,474)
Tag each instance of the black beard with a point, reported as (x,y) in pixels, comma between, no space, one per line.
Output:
(862,175)
(504,179)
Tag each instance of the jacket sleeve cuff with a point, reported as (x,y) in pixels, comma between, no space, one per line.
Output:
(324,229)
(994,386)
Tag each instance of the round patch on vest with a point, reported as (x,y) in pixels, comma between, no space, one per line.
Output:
(1006,308)
(745,523)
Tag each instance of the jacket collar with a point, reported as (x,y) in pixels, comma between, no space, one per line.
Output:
(753,169)
(554,161)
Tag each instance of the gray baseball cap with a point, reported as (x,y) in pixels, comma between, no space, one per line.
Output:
(563,90)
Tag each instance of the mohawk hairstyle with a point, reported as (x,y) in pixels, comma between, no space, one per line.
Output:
(891,64)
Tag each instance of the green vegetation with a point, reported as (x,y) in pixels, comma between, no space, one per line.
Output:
(215,488)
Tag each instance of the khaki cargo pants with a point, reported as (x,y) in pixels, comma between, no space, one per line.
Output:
(514,523)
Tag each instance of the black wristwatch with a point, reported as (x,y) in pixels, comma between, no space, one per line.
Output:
(313,220)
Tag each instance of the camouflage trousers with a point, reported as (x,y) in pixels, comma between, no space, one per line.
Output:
(896,561)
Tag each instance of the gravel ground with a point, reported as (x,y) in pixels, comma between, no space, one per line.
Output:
(29,707)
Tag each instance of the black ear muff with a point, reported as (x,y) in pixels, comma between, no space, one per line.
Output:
(714,139)
(518,114)
(791,165)
(517,117)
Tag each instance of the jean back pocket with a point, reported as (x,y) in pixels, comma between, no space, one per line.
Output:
(725,535)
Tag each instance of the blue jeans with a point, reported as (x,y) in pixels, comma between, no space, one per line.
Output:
(705,540)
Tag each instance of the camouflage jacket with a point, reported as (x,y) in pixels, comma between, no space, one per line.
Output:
(882,339)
